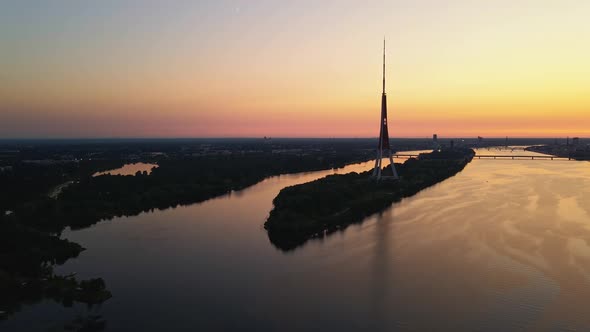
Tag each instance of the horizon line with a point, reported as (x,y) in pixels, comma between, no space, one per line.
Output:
(279,137)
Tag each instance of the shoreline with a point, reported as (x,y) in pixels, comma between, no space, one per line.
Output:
(562,151)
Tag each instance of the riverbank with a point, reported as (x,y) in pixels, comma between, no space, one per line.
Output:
(317,208)
(563,151)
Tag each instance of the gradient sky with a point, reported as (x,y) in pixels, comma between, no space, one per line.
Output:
(293,68)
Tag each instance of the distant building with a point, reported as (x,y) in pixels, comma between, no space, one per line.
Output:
(575,144)
(479,141)
(435,143)
(575,141)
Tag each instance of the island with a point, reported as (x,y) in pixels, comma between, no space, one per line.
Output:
(318,208)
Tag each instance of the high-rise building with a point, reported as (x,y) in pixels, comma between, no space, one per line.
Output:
(435,143)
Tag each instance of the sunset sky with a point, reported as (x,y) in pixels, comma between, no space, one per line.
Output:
(294,68)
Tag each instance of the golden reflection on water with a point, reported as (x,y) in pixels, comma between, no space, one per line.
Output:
(511,234)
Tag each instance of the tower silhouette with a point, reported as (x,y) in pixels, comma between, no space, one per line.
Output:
(383,148)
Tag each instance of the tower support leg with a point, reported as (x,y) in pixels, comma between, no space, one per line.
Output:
(379,165)
(393,170)
(377,169)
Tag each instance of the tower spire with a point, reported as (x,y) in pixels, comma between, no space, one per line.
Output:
(383,65)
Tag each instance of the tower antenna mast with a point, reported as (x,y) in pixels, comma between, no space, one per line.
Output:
(383,65)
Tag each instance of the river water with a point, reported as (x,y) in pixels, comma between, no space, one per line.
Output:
(502,246)
(129,169)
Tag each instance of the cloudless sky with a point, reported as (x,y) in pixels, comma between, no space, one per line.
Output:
(293,68)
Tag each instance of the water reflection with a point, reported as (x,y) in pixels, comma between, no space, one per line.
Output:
(502,246)
(494,236)
(382,274)
(129,169)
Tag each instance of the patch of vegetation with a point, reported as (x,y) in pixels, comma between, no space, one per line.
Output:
(26,269)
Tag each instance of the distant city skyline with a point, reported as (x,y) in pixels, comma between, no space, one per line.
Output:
(283,69)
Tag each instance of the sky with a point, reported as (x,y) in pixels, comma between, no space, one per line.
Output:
(518,68)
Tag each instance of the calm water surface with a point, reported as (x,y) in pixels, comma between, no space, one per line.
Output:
(129,169)
(502,246)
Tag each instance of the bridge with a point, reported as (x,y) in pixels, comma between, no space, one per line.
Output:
(489,156)
(505,148)
(483,156)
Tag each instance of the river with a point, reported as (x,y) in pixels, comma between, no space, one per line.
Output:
(502,246)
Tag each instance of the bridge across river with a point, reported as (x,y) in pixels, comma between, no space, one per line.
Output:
(491,156)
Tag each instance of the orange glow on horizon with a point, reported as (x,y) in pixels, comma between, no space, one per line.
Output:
(464,68)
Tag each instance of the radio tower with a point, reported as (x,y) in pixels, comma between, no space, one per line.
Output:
(383,148)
